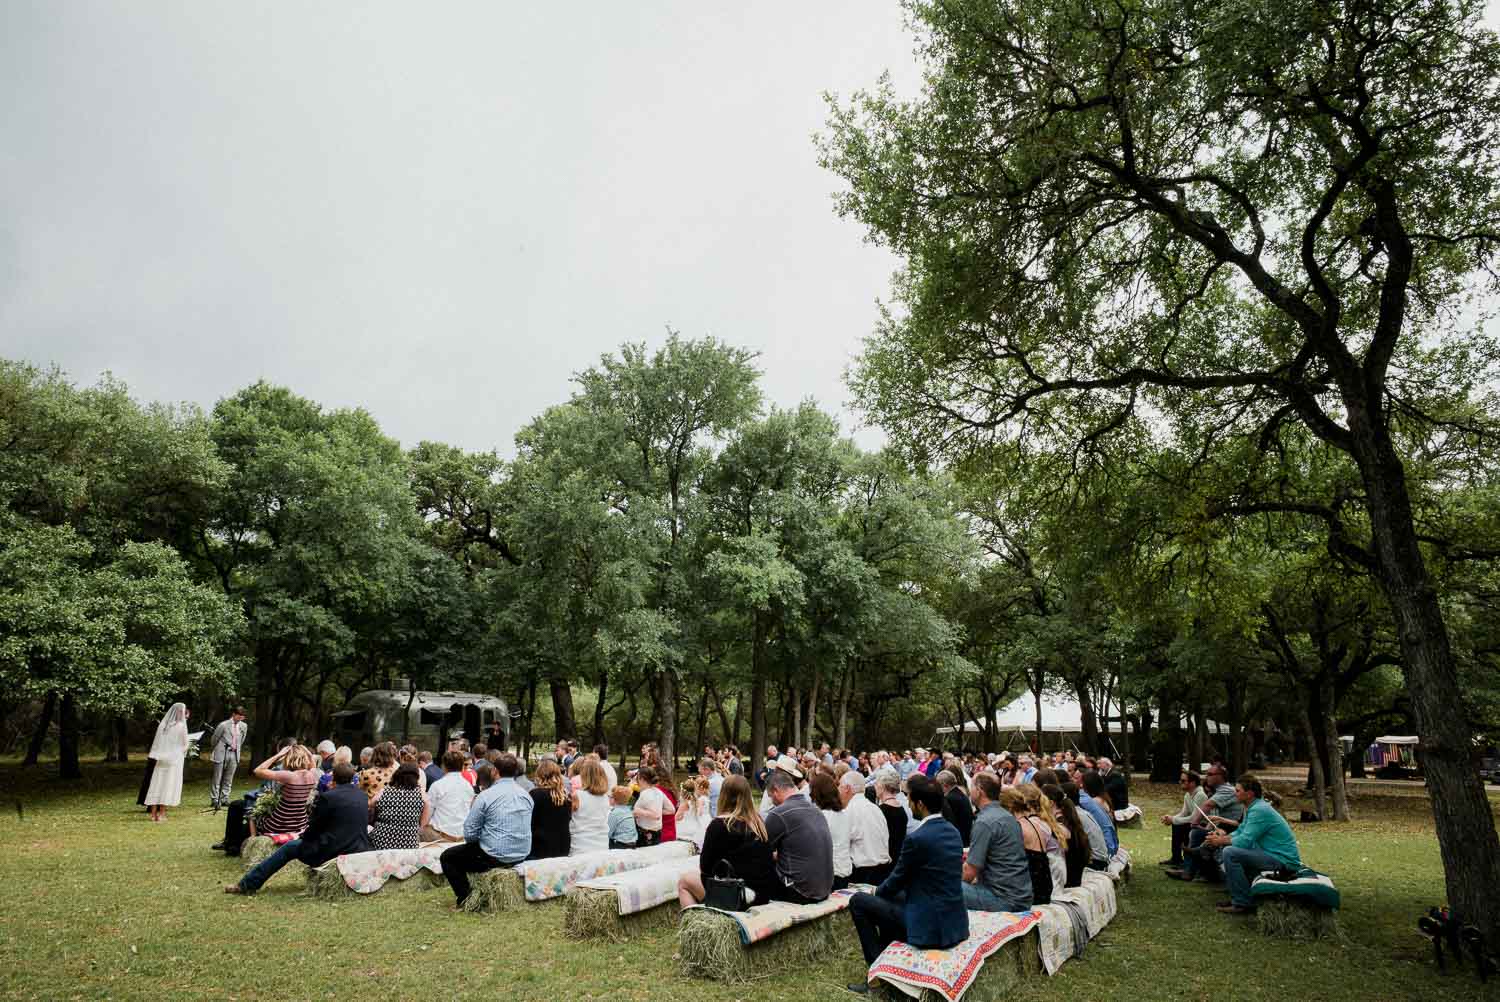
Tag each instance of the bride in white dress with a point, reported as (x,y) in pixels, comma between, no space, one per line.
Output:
(169,749)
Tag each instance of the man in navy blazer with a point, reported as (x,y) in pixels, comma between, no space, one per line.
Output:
(922,902)
(339,825)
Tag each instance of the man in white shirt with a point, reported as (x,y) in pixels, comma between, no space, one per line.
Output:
(449,799)
(869,836)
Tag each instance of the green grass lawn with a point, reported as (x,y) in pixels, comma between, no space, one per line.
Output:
(96,902)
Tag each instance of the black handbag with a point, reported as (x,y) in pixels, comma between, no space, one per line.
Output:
(724,890)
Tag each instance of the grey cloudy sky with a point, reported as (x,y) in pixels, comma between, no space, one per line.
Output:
(436,212)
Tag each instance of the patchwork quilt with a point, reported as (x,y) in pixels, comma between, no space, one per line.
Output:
(1118,864)
(1095,897)
(545,879)
(367,872)
(644,889)
(764,921)
(1062,933)
(913,970)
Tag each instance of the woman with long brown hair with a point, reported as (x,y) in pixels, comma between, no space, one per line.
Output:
(1076,852)
(737,839)
(552,810)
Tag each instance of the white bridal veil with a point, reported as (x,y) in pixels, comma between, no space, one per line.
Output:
(171,733)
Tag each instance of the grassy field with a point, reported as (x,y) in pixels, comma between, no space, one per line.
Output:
(96,902)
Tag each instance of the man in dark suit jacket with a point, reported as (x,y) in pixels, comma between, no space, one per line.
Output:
(338,826)
(922,902)
(956,806)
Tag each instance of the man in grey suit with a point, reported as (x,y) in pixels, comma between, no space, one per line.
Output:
(228,737)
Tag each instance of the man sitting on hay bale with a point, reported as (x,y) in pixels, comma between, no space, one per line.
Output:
(338,825)
(922,902)
(1262,841)
(497,832)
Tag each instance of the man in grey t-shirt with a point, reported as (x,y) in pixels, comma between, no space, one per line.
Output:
(996,878)
(800,838)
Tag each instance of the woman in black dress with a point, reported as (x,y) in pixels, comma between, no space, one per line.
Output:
(552,810)
(738,838)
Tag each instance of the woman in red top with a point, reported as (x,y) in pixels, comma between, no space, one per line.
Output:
(668,818)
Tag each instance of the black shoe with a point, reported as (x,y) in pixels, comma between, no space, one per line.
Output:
(1170,862)
(216,847)
(1179,875)
(859,989)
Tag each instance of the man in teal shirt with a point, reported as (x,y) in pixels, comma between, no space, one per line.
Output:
(1262,841)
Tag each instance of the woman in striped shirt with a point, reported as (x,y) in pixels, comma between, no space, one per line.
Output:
(298,778)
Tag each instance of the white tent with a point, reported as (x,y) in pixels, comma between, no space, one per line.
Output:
(1061,714)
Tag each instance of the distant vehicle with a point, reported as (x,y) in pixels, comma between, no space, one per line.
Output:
(1489,767)
(427,719)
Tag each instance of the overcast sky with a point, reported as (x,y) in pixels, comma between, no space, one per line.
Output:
(437,213)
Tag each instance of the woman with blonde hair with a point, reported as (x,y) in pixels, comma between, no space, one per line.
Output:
(551,813)
(588,828)
(735,844)
(297,778)
(1057,846)
(1034,838)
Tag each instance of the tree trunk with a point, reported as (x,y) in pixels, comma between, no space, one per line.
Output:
(43,725)
(796,697)
(530,716)
(1090,716)
(758,740)
(562,709)
(1166,758)
(67,739)
(598,737)
(1465,823)
(1335,755)
(812,706)
(1315,764)
(739,714)
(120,752)
(841,716)
(718,700)
(702,721)
(1234,689)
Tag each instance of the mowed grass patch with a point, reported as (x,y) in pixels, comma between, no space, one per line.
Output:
(97,902)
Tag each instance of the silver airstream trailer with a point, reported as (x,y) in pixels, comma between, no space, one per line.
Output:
(431,719)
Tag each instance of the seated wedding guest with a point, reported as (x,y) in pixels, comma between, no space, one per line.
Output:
(1182,822)
(430,769)
(650,807)
(622,831)
(588,828)
(824,792)
(869,836)
(297,779)
(800,838)
(337,827)
(922,902)
(448,801)
(995,874)
(692,810)
(956,806)
(407,755)
(326,750)
(341,754)
(1054,837)
(1094,800)
(738,838)
(1076,850)
(400,812)
(893,809)
(550,818)
(1034,835)
(1099,854)
(366,754)
(1220,801)
(1116,784)
(497,832)
(1261,841)
(373,777)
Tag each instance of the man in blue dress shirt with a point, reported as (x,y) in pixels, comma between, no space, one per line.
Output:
(497,831)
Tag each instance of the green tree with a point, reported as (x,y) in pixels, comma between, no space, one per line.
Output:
(1262,213)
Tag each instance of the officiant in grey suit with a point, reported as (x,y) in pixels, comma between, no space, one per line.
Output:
(229,736)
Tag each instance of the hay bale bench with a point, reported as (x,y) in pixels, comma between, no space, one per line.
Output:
(1304,907)
(549,879)
(1130,817)
(361,874)
(259,848)
(770,939)
(1118,868)
(989,966)
(619,906)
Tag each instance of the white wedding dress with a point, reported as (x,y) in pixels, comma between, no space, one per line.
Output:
(170,751)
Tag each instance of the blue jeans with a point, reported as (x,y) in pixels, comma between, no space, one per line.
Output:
(1192,862)
(978,898)
(1240,865)
(266,868)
